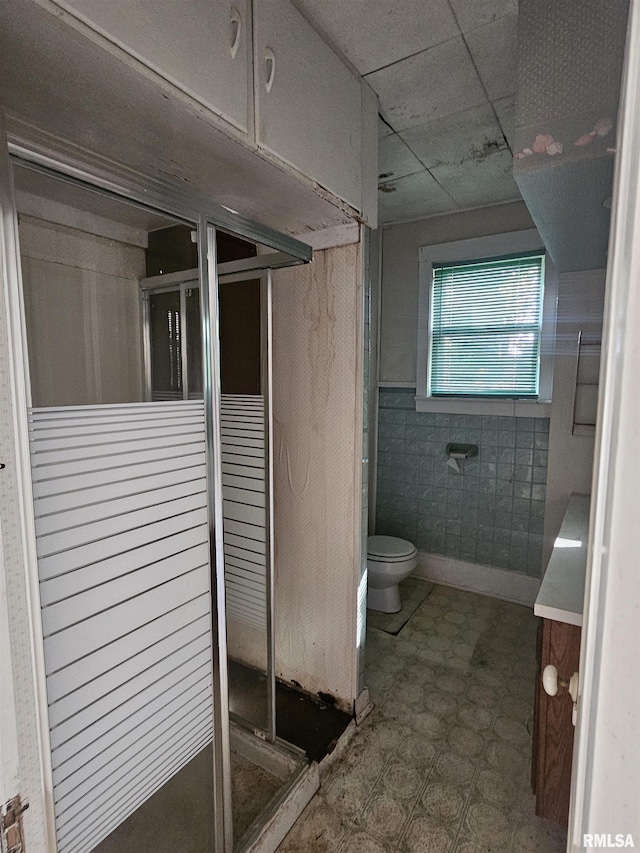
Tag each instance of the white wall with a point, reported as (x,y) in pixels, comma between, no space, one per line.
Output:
(399,302)
(580,307)
(83,315)
(317,341)
(606,765)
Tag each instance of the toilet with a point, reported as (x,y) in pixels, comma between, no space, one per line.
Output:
(389,561)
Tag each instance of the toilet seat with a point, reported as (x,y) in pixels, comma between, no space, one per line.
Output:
(390,549)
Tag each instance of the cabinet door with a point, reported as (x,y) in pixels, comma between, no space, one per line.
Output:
(553,740)
(308,103)
(204,48)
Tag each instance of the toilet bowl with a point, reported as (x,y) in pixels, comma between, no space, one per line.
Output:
(389,561)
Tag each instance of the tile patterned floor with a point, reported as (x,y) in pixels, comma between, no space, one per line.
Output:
(414,592)
(442,764)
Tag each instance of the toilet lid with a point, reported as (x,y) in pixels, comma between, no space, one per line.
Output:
(389,548)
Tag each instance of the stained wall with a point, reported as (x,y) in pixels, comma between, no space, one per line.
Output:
(317,341)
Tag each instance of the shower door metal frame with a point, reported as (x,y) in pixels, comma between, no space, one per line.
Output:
(258,267)
(189,208)
(182,282)
(264,274)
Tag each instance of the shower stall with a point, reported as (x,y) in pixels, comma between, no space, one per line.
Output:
(146,325)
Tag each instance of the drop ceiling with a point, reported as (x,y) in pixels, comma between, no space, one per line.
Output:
(445,72)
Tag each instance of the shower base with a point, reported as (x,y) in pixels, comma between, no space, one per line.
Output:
(271,785)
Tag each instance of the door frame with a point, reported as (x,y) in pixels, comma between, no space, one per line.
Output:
(606,765)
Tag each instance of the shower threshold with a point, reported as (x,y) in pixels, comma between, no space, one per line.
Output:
(271,785)
(299,780)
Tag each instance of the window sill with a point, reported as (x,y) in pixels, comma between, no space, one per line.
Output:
(508,408)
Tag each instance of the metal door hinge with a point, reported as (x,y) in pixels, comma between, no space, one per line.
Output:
(11,834)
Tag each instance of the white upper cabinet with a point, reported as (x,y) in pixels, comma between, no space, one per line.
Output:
(308,103)
(202,47)
(265,74)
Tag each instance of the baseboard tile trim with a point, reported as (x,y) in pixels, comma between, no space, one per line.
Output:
(485,580)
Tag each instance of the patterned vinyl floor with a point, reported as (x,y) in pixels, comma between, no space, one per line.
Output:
(443,763)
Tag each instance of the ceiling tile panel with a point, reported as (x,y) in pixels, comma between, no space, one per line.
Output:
(436,83)
(477,13)
(383,129)
(468,135)
(506,111)
(375,33)
(395,159)
(479,182)
(494,48)
(446,102)
(412,197)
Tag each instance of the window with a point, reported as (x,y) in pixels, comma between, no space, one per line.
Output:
(486,326)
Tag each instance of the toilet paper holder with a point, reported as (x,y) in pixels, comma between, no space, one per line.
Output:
(458,452)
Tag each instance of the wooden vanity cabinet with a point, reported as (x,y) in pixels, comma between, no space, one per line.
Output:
(558,644)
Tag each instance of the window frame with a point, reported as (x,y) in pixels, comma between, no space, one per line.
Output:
(512,242)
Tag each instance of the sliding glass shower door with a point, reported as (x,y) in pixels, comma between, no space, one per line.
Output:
(174,371)
(246,434)
(149,427)
(120,508)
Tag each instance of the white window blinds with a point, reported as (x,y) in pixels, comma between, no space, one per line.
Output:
(486,318)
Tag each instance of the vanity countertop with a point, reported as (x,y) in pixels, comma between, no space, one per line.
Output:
(562,590)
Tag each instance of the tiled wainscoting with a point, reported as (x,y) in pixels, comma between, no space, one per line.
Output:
(492,513)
